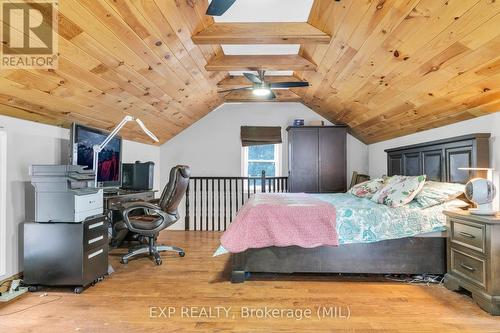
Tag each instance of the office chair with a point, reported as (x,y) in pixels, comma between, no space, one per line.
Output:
(147,219)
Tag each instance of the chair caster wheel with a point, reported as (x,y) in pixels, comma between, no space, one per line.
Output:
(181,254)
(158,262)
(78,290)
(124,261)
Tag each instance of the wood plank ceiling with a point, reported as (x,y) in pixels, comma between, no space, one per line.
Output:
(386,68)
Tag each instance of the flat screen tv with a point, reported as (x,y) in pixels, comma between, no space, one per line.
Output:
(83,139)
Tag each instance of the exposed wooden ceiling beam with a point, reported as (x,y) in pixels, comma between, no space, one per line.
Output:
(240,81)
(261,33)
(282,95)
(260,62)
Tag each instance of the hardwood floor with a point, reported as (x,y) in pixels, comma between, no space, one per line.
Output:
(124,301)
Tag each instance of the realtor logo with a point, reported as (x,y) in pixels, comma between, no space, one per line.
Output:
(29,34)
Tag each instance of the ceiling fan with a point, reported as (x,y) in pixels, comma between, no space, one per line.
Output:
(219,7)
(265,89)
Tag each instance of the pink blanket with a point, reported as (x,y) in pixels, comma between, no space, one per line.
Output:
(282,219)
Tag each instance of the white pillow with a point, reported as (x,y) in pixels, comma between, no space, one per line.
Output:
(436,193)
(368,188)
(399,190)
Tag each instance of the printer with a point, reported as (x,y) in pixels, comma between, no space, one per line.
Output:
(62,193)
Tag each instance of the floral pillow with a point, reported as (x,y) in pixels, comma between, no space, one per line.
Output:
(399,190)
(367,189)
(436,193)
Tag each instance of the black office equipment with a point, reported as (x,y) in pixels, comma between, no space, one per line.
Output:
(83,139)
(65,254)
(138,176)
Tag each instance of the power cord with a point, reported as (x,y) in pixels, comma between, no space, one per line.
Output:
(56,298)
(428,279)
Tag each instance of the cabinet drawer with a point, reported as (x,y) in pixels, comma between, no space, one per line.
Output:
(470,267)
(95,241)
(469,234)
(95,263)
(95,227)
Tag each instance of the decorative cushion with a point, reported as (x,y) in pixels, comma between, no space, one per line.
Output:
(436,193)
(399,190)
(367,189)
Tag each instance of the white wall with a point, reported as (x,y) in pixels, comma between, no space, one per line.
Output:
(3,202)
(212,146)
(485,124)
(32,143)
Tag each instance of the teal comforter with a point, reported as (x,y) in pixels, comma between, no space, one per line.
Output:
(361,220)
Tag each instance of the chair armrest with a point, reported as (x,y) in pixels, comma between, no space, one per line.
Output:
(155,201)
(140,205)
(130,207)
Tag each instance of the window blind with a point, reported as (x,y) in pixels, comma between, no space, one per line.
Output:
(260,135)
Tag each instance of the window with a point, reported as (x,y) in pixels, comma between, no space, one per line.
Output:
(262,157)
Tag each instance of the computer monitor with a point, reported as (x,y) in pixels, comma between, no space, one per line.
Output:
(83,139)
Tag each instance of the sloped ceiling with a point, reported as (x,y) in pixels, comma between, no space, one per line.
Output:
(391,67)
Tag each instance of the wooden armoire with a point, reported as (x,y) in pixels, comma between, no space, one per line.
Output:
(317,159)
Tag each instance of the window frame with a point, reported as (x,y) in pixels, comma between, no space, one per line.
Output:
(277,160)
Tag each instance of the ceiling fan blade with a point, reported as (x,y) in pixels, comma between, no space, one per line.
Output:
(283,85)
(253,78)
(219,7)
(235,89)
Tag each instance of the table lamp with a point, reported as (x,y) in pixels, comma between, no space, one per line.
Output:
(98,148)
(482,192)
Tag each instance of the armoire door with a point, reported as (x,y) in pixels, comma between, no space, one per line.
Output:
(303,160)
(332,160)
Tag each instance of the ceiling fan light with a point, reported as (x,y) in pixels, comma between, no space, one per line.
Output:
(261,91)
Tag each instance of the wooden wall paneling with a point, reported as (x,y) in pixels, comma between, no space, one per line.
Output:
(391,68)
(383,22)
(426,20)
(467,23)
(132,13)
(339,44)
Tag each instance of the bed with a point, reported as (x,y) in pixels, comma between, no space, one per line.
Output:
(418,247)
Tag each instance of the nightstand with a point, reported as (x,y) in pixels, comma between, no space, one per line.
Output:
(473,248)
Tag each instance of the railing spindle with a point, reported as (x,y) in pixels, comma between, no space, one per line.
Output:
(225,207)
(206,199)
(194,203)
(186,218)
(230,200)
(213,206)
(218,204)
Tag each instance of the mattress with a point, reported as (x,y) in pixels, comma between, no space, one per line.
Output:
(361,220)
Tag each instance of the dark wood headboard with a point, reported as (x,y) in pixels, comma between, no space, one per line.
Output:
(440,159)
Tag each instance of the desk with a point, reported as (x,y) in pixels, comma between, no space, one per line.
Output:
(115,201)
(113,204)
